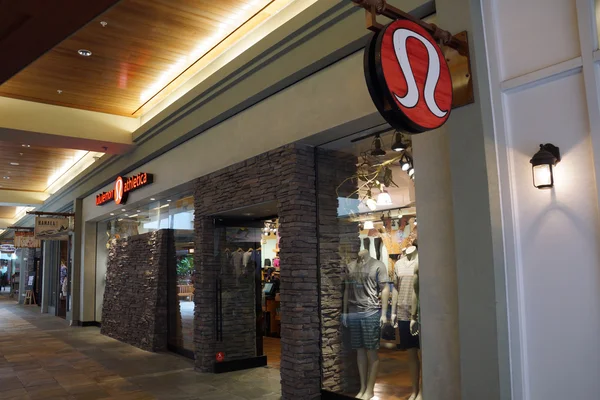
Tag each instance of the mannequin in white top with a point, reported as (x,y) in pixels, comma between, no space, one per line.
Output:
(367,278)
(402,309)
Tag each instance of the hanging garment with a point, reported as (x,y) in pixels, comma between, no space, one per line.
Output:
(378,245)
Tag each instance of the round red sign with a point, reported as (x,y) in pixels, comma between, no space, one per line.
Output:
(220,356)
(408,77)
(119,190)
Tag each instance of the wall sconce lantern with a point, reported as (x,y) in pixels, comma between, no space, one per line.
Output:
(543,163)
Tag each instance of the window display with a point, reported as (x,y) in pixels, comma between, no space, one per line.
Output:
(369,267)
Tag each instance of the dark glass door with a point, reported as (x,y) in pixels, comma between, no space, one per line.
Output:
(238,300)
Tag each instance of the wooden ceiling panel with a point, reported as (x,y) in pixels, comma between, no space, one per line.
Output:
(35,165)
(7,212)
(148,49)
(29,28)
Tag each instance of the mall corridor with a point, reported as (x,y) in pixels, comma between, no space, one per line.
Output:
(41,357)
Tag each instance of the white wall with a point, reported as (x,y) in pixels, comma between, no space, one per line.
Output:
(544,92)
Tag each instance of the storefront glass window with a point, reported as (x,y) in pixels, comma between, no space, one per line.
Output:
(369,267)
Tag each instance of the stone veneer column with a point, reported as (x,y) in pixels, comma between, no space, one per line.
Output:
(300,325)
(135,299)
(206,266)
(285,175)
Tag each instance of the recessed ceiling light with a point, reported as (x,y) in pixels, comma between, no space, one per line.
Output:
(123,210)
(168,201)
(112,213)
(152,199)
(127,215)
(84,52)
(6,177)
(139,210)
(25,145)
(14,163)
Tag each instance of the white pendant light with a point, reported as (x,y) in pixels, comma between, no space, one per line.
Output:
(372,204)
(369,225)
(384,199)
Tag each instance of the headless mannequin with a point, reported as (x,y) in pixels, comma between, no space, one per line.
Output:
(367,359)
(414,362)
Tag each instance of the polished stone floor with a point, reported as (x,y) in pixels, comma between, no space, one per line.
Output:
(41,357)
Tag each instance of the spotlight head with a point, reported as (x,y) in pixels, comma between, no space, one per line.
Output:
(377,150)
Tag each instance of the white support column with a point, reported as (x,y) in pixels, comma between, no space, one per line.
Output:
(88,273)
(437,267)
(586,15)
(481,273)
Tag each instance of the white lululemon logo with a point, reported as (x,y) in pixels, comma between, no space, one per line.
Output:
(119,190)
(411,98)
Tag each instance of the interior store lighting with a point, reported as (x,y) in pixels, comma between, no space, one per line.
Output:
(405,162)
(377,150)
(384,198)
(411,172)
(369,225)
(398,144)
(371,204)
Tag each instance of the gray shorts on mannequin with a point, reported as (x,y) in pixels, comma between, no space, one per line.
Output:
(365,332)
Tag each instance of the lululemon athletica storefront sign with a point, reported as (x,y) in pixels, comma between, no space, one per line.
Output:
(408,77)
(122,188)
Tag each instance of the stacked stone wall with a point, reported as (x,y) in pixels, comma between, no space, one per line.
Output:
(135,300)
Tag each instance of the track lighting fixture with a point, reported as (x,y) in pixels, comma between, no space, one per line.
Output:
(377,150)
(398,145)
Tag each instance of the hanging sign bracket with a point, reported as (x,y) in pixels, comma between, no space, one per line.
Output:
(454,47)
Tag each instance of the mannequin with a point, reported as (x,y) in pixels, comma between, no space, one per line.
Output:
(367,278)
(403,311)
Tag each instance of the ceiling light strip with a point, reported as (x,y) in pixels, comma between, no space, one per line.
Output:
(204,55)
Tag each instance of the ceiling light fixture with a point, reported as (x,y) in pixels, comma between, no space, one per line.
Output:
(15,164)
(6,177)
(84,52)
(398,144)
(377,150)
(369,225)
(123,209)
(25,145)
(405,162)
(59,91)
(411,172)
(152,199)
(139,211)
(168,201)
(103,23)
(112,213)
(384,198)
(371,204)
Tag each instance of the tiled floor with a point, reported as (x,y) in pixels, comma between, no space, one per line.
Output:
(41,357)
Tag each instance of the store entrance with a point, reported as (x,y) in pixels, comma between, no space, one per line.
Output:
(247,302)
(59,283)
